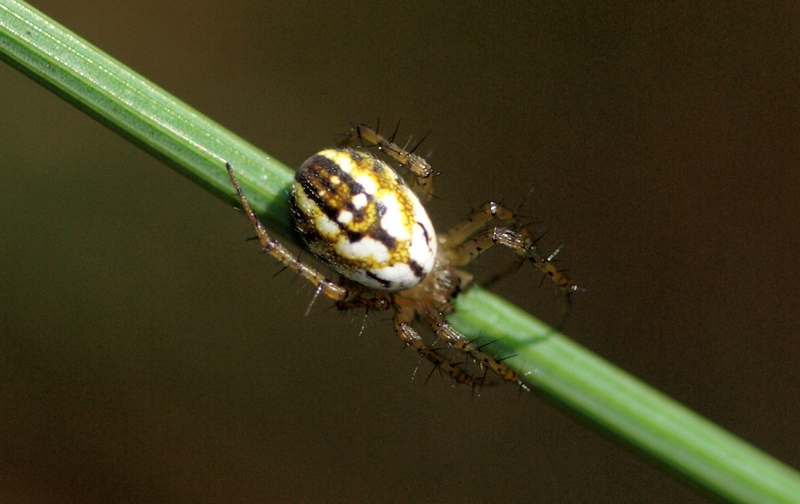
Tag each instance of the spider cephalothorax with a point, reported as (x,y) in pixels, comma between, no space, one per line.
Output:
(357,215)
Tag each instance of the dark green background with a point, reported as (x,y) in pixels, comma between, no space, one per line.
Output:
(147,353)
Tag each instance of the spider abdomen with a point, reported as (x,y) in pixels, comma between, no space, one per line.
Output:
(357,214)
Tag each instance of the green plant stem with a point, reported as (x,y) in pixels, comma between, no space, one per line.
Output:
(553,364)
(142,112)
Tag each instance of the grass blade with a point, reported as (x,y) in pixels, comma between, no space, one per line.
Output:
(141,111)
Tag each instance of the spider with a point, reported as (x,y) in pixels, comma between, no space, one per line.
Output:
(358,216)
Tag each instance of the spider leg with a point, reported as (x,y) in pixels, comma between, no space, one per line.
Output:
(274,248)
(445,332)
(468,239)
(402,324)
(519,242)
(372,301)
(421,181)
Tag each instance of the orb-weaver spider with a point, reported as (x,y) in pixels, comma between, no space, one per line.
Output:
(357,215)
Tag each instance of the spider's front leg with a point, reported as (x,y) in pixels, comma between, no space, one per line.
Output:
(272,246)
(421,180)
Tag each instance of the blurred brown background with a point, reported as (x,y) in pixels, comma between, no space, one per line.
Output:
(147,354)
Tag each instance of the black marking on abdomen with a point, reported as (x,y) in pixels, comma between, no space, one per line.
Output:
(385,283)
(417,269)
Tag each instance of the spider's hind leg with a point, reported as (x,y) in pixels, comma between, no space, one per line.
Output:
(402,325)
(445,332)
